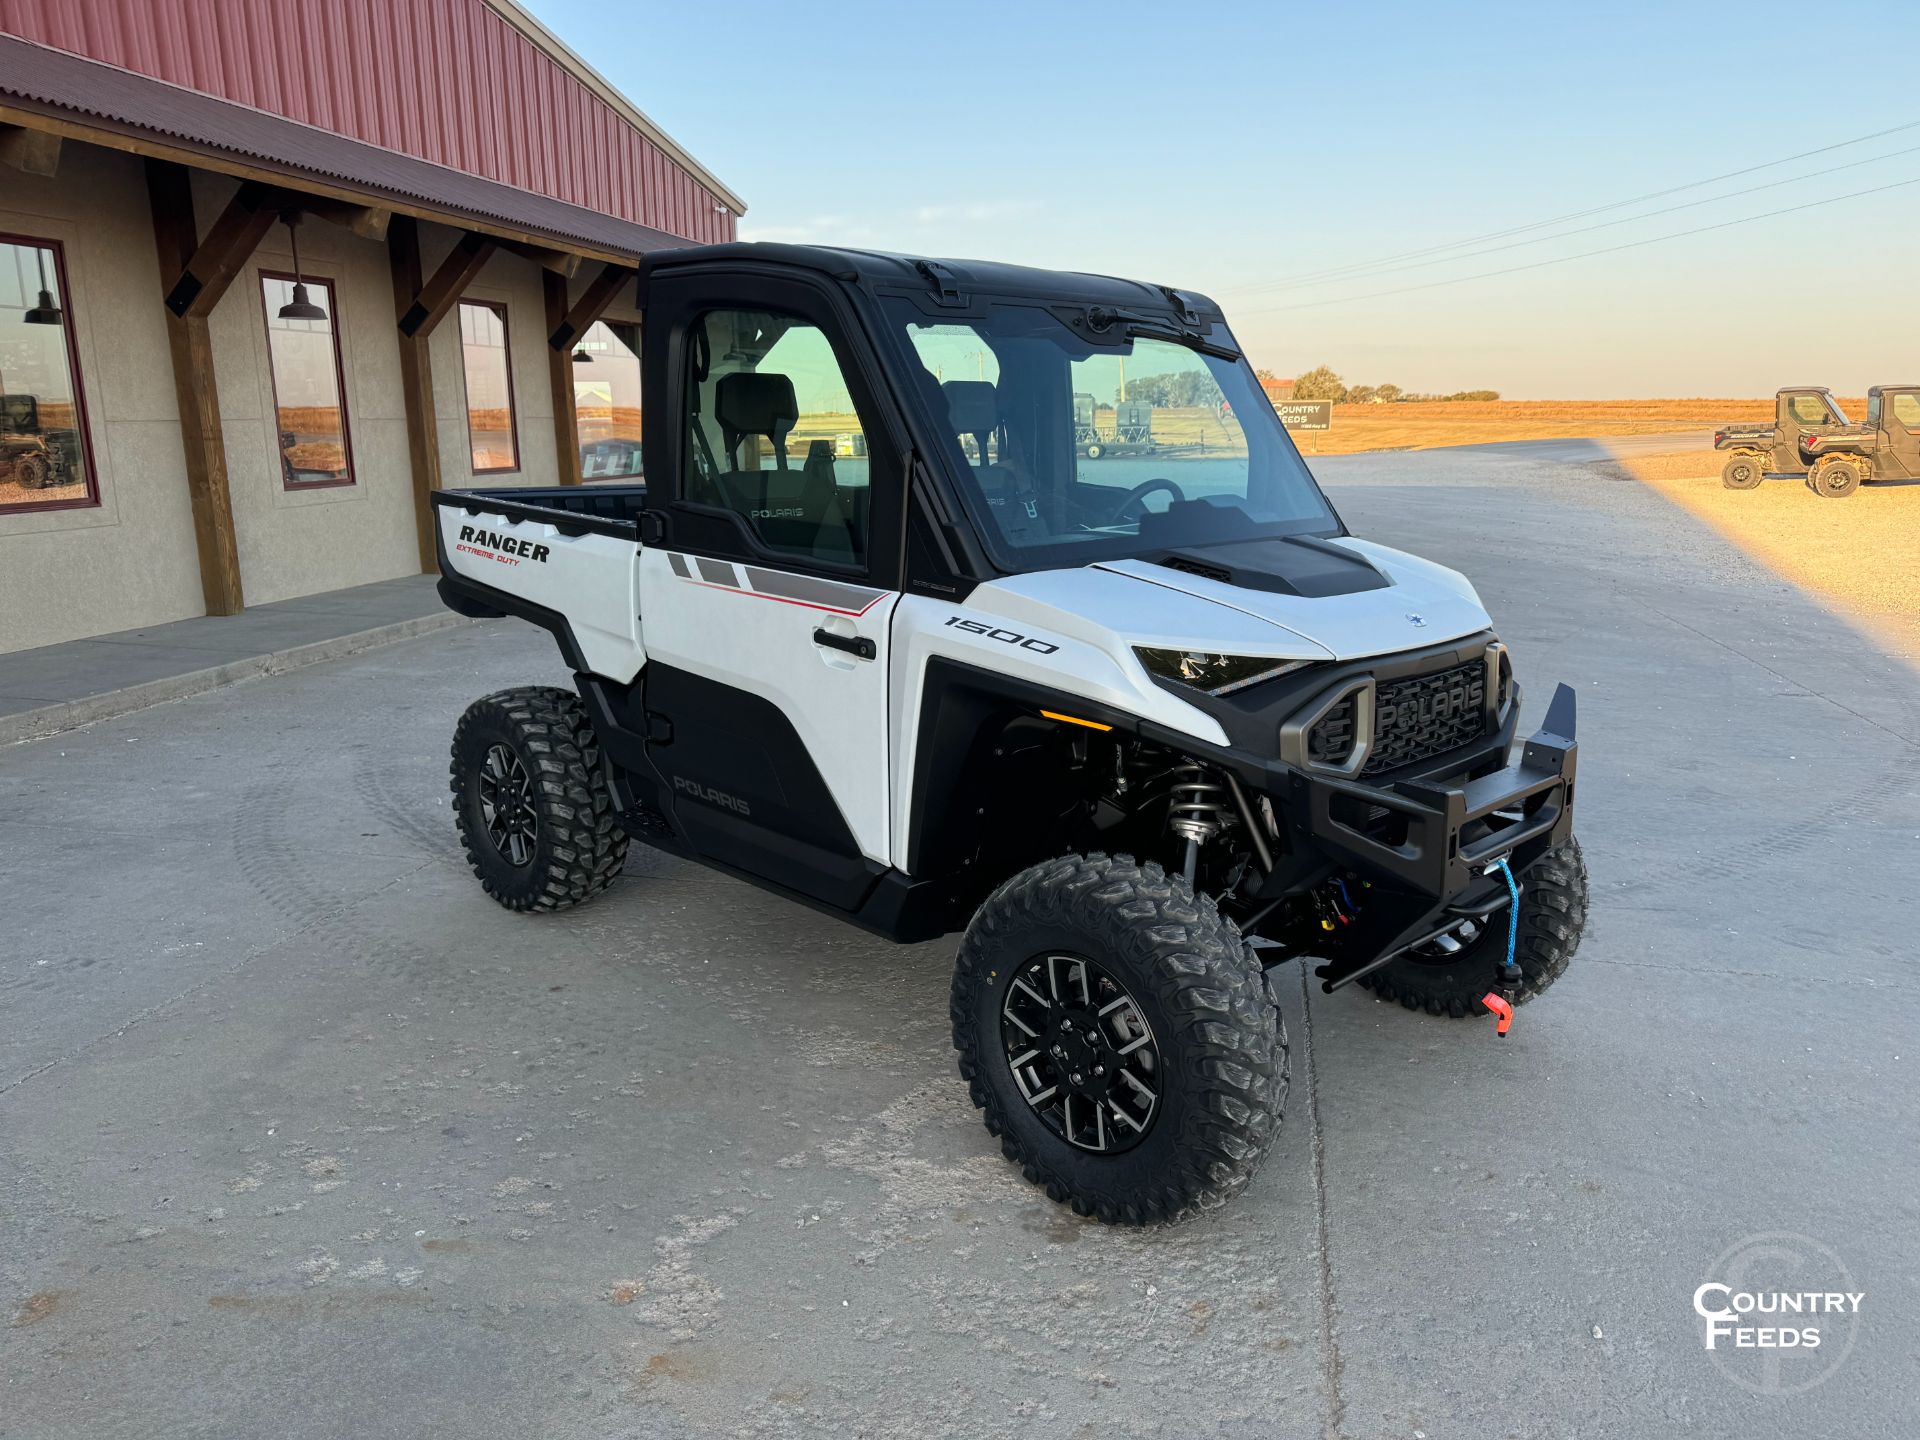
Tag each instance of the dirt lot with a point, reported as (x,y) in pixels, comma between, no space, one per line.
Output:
(1862,554)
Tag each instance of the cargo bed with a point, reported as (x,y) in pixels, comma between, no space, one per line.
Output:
(565,557)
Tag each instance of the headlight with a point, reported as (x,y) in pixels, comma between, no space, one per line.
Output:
(1215,674)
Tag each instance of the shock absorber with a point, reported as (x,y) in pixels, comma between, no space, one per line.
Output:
(1197,810)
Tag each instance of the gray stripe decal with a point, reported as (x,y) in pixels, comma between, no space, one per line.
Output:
(679,564)
(716,572)
(809,591)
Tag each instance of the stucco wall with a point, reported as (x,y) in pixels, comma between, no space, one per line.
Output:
(132,561)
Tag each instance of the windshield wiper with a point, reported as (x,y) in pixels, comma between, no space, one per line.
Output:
(1135,326)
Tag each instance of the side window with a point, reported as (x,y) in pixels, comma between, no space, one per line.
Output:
(1873,412)
(1809,410)
(772,434)
(606,400)
(1906,409)
(44,462)
(310,408)
(484,357)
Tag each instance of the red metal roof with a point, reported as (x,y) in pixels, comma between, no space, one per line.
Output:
(61,82)
(448,82)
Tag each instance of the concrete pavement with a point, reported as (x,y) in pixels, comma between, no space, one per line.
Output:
(57,687)
(303,1136)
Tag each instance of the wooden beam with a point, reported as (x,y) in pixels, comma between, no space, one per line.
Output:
(566,426)
(563,262)
(176,238)
(589,307)
(369,222)
(33,152)
(204,278)
(432,302)
(416,386)
(134,141)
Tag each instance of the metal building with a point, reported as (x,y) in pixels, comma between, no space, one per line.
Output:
(271,272)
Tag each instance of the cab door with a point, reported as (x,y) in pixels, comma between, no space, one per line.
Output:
(1900,433)
(768,584)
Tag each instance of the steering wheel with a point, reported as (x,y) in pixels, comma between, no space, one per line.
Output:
(1140,493)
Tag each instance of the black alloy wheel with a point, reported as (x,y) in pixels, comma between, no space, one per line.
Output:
(1081,1052)
(506,806)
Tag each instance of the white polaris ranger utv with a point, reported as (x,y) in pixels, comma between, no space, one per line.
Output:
(878,635)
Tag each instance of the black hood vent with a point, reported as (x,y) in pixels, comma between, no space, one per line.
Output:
(1282,565)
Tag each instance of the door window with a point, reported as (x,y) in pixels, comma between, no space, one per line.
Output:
(1906,409)
(606,400)
(1809,410)
(773,435)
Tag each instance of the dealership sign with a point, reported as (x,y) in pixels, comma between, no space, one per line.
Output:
(1305,414)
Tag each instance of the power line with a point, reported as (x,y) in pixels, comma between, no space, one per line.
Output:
(1342,270)
(1586,254)
(1383,269)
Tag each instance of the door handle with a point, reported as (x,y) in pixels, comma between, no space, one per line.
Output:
(856,645)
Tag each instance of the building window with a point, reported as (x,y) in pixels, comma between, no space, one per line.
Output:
(483,353)
(44,460)
(606,400)
(309,388)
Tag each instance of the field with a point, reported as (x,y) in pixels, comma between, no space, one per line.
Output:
(1423,425)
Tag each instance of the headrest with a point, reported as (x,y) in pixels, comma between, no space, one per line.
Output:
(754,404)
(972,405)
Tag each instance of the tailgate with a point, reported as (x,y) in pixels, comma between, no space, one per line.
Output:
(573,573)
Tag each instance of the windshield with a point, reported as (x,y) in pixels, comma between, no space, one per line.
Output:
(1067,452)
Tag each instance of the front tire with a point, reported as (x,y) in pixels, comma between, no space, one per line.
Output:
(1834,479)
(531,801)
(1095,961)
(1742,472)
(1553,916)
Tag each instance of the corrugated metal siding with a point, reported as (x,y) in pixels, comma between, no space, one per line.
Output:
(447,81)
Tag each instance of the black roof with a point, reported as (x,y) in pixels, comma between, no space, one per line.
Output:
(987,277)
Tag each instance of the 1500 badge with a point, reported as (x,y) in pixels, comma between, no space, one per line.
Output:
(504,548)
(1005,637)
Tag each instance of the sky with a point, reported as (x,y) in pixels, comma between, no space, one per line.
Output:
(1247,150)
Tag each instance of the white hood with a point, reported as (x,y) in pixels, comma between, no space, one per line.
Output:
(1423,604)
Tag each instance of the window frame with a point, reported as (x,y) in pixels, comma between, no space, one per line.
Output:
(877,566)
(350,477)
(499,308)
(91,500)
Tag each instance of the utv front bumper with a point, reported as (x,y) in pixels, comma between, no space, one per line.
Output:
(1436,836)
(1427,845)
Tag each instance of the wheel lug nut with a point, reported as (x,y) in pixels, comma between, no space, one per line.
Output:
(1077,1078)
(1099,1069)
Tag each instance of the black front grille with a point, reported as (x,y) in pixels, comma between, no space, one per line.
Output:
(1426,715)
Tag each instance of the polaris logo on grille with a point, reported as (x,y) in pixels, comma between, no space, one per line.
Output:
(1467,697)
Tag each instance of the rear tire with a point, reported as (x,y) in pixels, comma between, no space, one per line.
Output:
(1219,1059)
(33,472)
(1834,479)
(1742,472)
(1553,916)
(531,801)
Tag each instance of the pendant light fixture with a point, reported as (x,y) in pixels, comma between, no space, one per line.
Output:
(581,357)
(46,312)
(300,307)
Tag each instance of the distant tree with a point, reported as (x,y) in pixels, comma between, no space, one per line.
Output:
(1362,395)
(1320,383)
(1473,395)
(1265,375)
(1389,394)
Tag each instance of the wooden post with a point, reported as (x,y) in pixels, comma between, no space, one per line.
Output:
(566,427)
(416,384)
(176,239)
